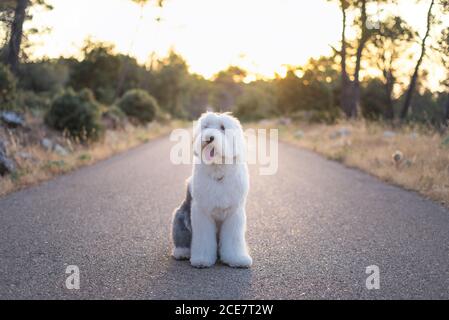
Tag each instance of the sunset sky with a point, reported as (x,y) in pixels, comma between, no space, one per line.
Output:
(263,36)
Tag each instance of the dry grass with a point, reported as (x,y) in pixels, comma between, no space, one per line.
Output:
(40,165)
(422,154)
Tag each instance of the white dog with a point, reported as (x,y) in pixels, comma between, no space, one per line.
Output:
(214,208)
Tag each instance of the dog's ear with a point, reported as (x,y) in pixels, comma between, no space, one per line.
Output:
(238,145)
(235,131)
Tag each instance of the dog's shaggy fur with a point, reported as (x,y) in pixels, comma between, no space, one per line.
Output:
(214,208)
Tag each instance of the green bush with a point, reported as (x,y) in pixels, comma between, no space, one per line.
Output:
(248,108)
(257,101)
(76,113)
(374,100)
(99,71)
(162,116)
(425,108)
(7,88)
(306,98)
(44,76)
(32,101)
(113,117)
(139,105)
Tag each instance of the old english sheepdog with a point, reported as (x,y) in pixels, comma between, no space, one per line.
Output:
(214,208)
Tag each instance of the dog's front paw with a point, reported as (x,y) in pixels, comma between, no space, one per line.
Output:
(202,262)
(243,261)
(181,253)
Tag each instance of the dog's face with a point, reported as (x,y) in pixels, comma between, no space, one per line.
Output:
(218,139)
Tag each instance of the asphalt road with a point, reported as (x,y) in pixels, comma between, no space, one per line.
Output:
(313,228)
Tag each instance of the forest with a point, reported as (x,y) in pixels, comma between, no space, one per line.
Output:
(364,77)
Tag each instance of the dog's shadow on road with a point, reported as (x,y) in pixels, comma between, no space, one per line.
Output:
(181,281)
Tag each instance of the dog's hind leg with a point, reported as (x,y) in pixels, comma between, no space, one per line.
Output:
(182,230)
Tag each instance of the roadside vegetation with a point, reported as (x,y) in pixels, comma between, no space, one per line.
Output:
(37,159)
(412,156)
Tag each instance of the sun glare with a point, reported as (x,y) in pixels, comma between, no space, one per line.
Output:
(262,36)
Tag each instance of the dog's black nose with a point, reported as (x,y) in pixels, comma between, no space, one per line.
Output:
(211,139)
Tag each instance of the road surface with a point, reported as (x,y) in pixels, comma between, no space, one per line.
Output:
(313,228)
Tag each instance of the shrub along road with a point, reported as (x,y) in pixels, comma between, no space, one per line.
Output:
(313,229)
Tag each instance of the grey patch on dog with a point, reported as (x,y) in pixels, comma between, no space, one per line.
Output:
(182,227)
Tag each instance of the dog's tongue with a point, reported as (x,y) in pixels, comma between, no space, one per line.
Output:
(210,155)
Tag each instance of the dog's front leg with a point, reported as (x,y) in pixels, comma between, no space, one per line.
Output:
(233,250)
(204,239)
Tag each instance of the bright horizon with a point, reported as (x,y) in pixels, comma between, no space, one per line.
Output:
(261,36)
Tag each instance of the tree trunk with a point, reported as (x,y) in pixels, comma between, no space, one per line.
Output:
(389,83)
(15,39)
(345,81)
(355,98)
(123,72)
(447,110)
(414,79)
(389,112)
